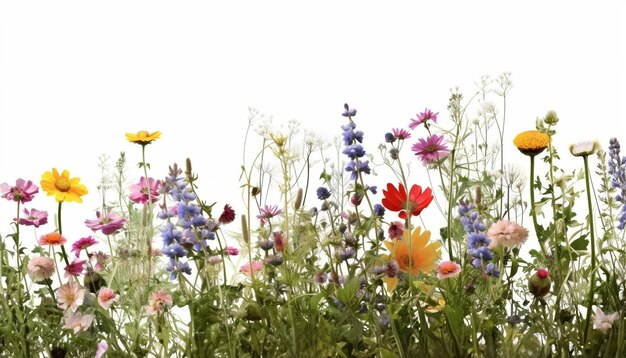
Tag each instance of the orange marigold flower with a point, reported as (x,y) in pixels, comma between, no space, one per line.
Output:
(413,203)
(422,257)
(53,238)
(62,186)
(143,137)
(531,142)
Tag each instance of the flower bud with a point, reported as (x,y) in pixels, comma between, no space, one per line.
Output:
(551,118)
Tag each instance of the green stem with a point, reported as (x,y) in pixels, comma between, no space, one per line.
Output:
(593,251)
(533,212)
(64,254)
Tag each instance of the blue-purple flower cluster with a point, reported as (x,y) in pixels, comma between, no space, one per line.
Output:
(353,149)
(190,231)
(477,241)
(617,169)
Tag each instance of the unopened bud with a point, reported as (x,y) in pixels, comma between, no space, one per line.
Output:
(551,118)
(298,203)
(244,229)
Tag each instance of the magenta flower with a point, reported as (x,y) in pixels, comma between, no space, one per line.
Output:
(396,230)
(401,133)
(23,191)
(109,224)
(431,149)
(82,244)
(139,192)
(34,218)
(75,268)
(231,251)
(423,117)
(268,212)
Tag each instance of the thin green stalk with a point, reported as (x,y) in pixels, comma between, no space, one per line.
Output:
(533,212)
(593,250)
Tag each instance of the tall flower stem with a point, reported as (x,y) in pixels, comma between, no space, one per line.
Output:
(593,250)
(61,233)
(533,212)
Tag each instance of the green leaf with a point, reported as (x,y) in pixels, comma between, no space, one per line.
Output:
(580,244)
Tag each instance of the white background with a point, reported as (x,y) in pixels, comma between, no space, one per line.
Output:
(75,76)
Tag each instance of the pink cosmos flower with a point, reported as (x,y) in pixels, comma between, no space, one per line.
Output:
(159,301)
(268,212)
(139,192)
(78,321)
(231,251)
(102,348)
(82,244)
(447,269)
(507,233)
(99,261)
(396,230)
(22,192)
(109,224)
(431,149)
(40,268)
(106,297)
(251,268)
(423,117)
(70,296)
(34,218)
(401,133)
(75,268)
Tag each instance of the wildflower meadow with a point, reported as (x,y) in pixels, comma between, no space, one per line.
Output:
(333,248)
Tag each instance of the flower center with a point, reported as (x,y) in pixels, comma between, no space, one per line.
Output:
(62,184)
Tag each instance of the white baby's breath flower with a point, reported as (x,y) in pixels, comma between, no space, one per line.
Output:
(603,322)
(582,149)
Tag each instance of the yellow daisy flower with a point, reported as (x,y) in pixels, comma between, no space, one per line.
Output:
(531,142)
(424,255)
(143,137)
(62,186)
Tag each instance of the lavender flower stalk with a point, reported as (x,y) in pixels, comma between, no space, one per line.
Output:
(617,169)
(477,240)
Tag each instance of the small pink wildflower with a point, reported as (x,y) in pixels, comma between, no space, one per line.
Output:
(102,348)
(268,212)
(431,149)
(159,301)
(70,296)
(75,268)
(507,233)
(78,321)
(231,251)
(448,269)
(34,218)
(396,230)
(251,268)
(139,192)
(99,260)
(401,133)
(109,224)
(22,192)
(83,244)
(423,118)
(40,268)
(106,297)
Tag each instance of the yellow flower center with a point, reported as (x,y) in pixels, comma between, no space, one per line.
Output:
(143,134)
(62,184)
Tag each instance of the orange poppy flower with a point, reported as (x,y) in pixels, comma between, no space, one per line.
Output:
(397,199)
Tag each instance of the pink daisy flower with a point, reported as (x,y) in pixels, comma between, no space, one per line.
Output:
(70,296)
(22,192)
(507,233)
(78,321)
(34,218)
(139,192)
(82,244)
(109,224)
(423,117)
(448,269)
(401,133)
(431,149)
(268,212)
(106,297)
(159,301)
(75,268)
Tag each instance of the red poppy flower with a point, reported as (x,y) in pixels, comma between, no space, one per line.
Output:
(397,200)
